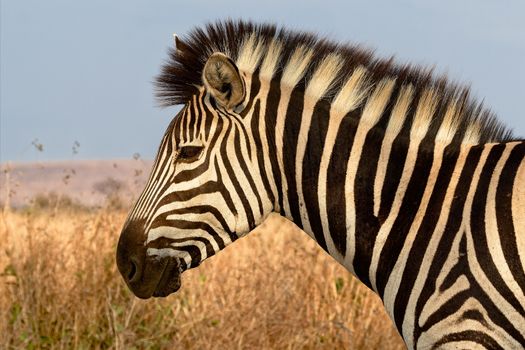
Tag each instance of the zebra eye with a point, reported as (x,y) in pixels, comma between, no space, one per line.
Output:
(189,153)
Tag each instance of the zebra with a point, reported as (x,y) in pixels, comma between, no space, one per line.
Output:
(396,172)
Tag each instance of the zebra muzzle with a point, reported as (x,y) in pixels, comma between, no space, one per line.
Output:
(144,274)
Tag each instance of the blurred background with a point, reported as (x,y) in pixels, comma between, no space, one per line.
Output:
(79,127)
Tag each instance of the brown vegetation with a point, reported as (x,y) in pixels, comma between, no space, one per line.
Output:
(59,289)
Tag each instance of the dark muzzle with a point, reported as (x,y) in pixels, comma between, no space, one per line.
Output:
(145,275)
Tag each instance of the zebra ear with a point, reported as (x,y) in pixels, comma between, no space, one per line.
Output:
(223,80)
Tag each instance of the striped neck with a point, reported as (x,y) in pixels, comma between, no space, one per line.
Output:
(348,174)
(342,179)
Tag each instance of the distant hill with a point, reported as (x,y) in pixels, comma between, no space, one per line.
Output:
(86,181)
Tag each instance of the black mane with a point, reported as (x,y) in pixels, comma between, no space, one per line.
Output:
(180,77)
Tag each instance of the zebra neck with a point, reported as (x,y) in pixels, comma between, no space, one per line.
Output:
(341,184)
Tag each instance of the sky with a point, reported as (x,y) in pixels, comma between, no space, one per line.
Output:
(73,71)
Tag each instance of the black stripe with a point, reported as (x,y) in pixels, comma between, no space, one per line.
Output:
(336,176)
(507,232)
(260,155)
(311,165)
(199,120)
(247,174)
(270,115)
(185,136)
(192,121)
(366,223)
(254,91)
(472,336)
(225,192)
(290,139)
(209,115)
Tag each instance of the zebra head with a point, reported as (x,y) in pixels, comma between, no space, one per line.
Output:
(205,189)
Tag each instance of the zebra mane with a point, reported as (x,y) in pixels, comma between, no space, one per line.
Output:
(448,110)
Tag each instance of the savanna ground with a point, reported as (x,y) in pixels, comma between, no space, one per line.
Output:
(274,289)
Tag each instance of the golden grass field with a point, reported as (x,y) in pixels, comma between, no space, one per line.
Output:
(274,289)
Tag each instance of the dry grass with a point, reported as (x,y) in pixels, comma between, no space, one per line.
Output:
(60,289)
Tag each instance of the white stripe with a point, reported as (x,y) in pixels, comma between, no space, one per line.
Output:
(397,118)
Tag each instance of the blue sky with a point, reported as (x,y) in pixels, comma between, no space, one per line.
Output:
(83,71)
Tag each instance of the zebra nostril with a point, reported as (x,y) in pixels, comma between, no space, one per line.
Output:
(131,255)
(132,271)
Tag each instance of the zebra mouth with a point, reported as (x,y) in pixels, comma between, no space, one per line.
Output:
(170,280)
